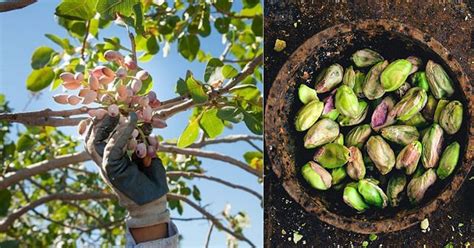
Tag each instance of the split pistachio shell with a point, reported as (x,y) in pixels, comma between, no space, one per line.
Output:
(346,102)
(440,84)
(380,116)
(339,140)
(439,108)
(432,143)
(417,121)
(395,74)
(396,185)
(372,193)
(329,110)
(415,62)
(352,198)
(349,77)
(381,154)
(400,134)
(417,187)
(419,80)
(338,175)
(372,87)
(358,136)
(412,103)
(306,94)
(448,160)
(429,110)
(347,121)
(450,118)
(316,176)
(332,155)
(322,132)
(308,115)
(355,165)
(359,84)
(409,157)
(366,57)
(329,78)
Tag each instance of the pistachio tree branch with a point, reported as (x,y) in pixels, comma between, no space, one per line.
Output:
(208,236)
(211,217)
(215,179)
(43,166)
(84,42)
(14,4)
(211,155)
(226,139)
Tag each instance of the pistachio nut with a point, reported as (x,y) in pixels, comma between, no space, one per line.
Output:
(449,160)
(338,174)
(439,108)
(400,134)
(396,185)
(381,154)
(415,62)
(400,92)
(380,117)
(395,74)
(417,121)
(339,140)
(308,115)
(366,57)
(346,102)
(355,165)
(409,157)
(419,80)
(357,136)
(450,118)
(440,84)
(349,77)
(372,193)
(322,132)
(417,187)
(372,87)
(329,78)
(345,121)
(432,142)
(332,155)
(352,198)
(414,101)
(306,94)
(359,84)
(316,176)
(329,110)
(429,110)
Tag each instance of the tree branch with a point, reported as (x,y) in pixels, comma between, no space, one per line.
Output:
(208,236)
(83,49)
(227,139)
(14,4)
(209,216)
(211,155)
(43,166)
(215,179)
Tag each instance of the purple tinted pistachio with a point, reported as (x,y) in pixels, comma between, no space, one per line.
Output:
(329,110)
(409,157)
(316,176)
(417,187)
(380,117)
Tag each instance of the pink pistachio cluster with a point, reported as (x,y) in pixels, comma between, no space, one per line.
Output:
(117,93)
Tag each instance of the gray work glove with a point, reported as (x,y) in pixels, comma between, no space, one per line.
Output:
(141,190)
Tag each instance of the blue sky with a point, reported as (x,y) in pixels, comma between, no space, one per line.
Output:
(22,31)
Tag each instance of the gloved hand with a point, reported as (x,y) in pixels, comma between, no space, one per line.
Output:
(141,190)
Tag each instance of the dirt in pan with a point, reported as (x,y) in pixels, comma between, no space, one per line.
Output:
(286,223)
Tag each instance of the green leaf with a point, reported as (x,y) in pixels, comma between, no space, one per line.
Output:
(253,121)
(255,10)
(250,3)
(229,71)
(181,87)
(5,200)
(10,244)
(188,46)
(152,45)
(25,142)
(211,124)
(40,79)
(248,156)
(222,24)
(76,9)
(190,134)
(230,113)
(108,8)
(64,43)
(94,27)
(41,57)
(211,67)
(138,12)
(196,193)
(223,5)
(246,91)
(257,25)
(196,89)
(9,150)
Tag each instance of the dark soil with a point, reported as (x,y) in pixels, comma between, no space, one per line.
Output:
(294,22)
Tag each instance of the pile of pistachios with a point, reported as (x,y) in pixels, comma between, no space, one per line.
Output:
(400,122)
